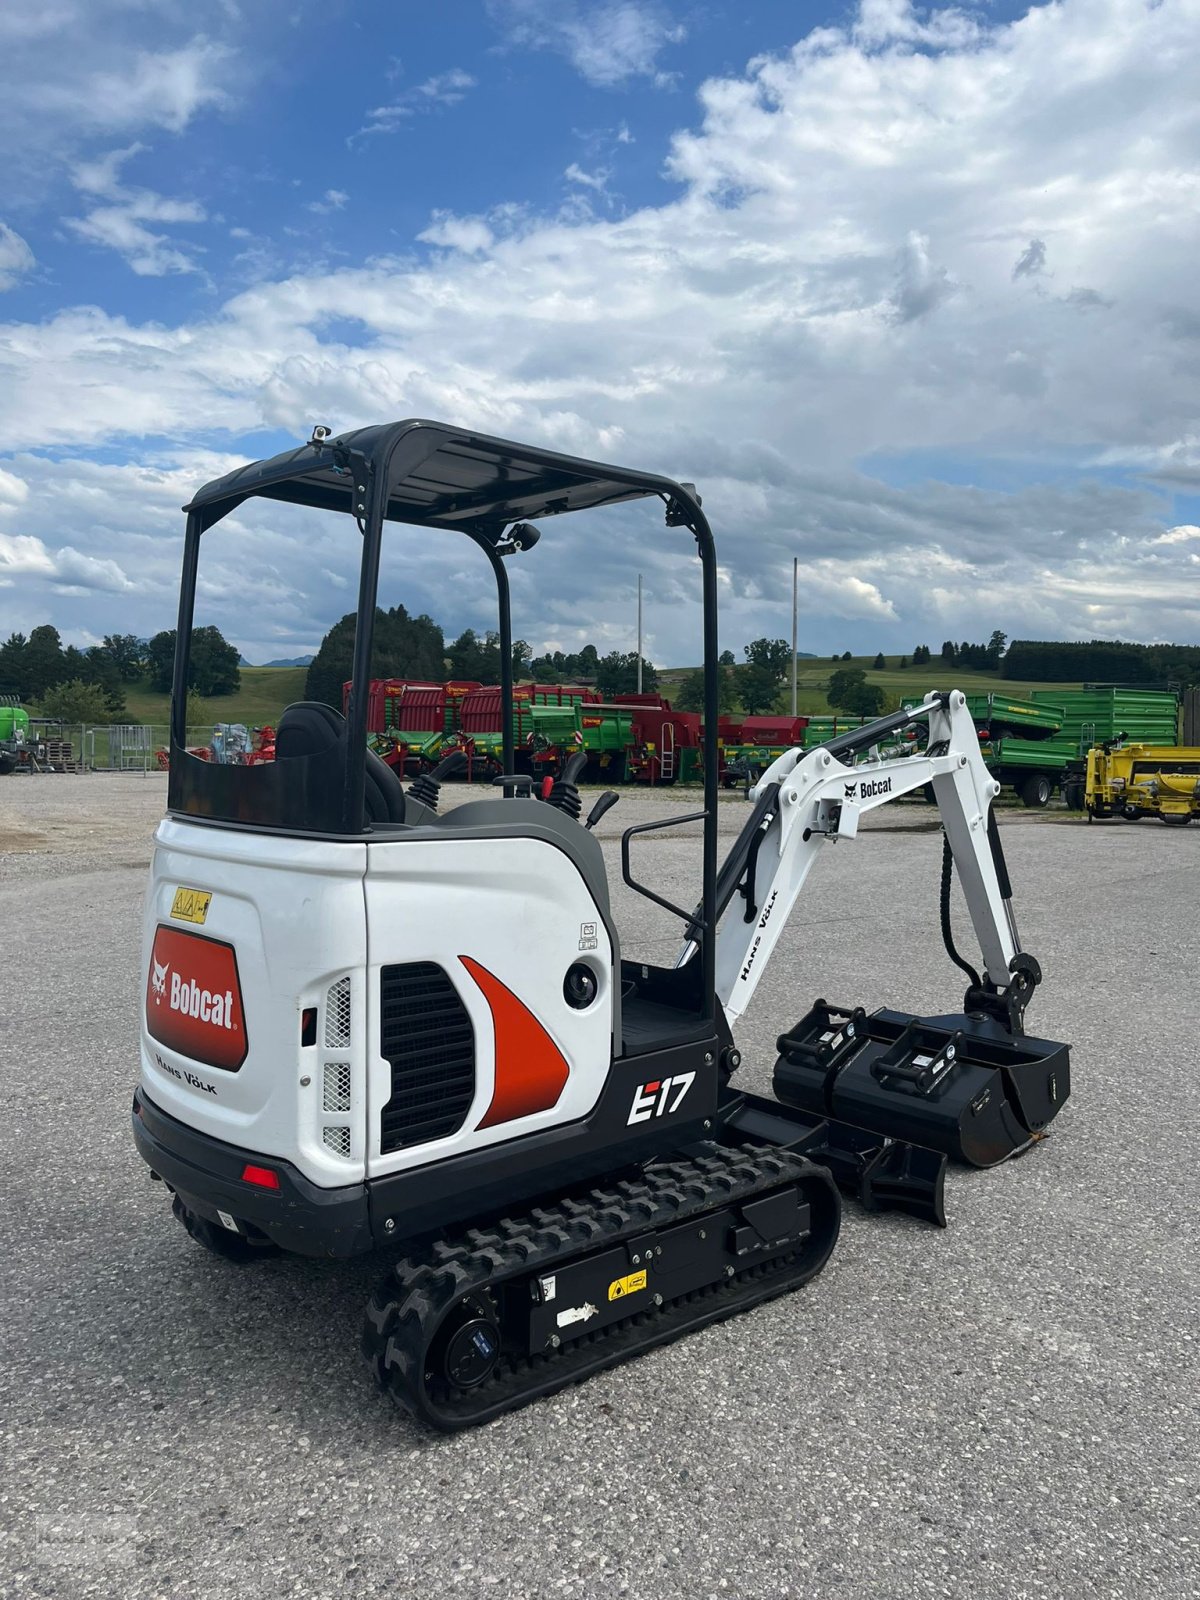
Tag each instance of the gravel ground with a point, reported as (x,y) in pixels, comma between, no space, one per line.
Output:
(1008,1408)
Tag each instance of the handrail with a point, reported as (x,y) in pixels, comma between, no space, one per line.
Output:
(640,888)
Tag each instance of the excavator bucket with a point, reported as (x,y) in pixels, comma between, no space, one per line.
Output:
(960,1084)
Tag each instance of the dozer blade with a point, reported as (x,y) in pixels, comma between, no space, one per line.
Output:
(959,1084)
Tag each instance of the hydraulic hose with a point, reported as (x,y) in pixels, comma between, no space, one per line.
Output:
(947,931)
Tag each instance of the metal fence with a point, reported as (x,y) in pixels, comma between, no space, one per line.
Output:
(117,747)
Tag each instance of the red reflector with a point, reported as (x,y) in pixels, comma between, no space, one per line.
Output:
(264,1177)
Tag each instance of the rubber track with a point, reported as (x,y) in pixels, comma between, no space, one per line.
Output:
(407,1308)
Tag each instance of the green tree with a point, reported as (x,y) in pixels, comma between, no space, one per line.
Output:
(128,654)
(522,657)
(726,659)
(100,668)
(773,655)
(43,661)
(690,695)
(995,647)
(867,700)
(401,647)
(160,660)
(761,678)
(880,665)
(948,652)
(904,661)
(846,656)
(212,662)
(617,674)
(469,660)
(14,674)
(76,702)
(844,682)
(758,688)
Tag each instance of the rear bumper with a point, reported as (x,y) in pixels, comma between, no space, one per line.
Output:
(207,1175)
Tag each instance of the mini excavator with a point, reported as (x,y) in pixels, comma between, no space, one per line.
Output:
(373,1025)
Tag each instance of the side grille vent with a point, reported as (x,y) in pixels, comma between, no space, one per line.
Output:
(427,1038)
(337,1015)
(335,1086)
(337,1140)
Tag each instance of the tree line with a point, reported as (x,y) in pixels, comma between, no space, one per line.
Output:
(404,646)
(1103,661)
(88,686)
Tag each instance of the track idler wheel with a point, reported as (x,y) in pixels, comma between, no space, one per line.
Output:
(468,1344)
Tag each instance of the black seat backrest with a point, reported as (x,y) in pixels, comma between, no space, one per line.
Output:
(308,728)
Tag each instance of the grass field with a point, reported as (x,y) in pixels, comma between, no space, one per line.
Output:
(265,691)
(909,683)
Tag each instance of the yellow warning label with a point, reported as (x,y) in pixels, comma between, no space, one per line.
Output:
(629,1285)
(190,905)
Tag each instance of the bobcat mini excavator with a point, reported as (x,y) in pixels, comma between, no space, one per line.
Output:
(369,1024)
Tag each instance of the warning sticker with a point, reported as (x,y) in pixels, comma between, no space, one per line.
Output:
(190,905)
(630,1285)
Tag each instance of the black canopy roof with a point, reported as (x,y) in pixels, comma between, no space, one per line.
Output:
(439,476)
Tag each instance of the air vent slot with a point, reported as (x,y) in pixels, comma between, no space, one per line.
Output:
(427,1039)
(335,1086)
(337,1015)
(337,1140)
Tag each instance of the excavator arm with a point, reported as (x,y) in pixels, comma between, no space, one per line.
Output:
(970,1084)
(806,798)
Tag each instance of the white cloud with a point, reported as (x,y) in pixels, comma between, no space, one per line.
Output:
(921,286)
(162,89)
(444,89)
(597,180)
(25,556)
(334,200)
(608,42)
(821,322)
(471,235)
(82,70)
(23,553)
(120,224)
(898,21)
(16,258)
(14,491)
(79,571)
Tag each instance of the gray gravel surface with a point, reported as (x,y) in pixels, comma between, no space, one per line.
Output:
(1008,1408)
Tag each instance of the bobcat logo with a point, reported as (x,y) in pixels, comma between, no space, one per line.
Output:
(161,968)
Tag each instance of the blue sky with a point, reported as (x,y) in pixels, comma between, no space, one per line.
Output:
(910,294)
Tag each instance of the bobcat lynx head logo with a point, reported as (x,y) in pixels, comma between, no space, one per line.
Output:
(161,968)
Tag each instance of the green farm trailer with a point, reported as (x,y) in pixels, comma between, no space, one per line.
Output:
(1037,757)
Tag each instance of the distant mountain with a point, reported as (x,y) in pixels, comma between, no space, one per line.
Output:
(294,661)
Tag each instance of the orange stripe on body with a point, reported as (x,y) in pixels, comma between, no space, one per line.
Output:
(531,1071)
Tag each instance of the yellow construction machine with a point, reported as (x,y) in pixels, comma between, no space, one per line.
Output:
(1133,781)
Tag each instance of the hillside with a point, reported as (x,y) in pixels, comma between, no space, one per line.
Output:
(265,691)
(909,683)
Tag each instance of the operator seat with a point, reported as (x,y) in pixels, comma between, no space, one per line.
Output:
(309,728)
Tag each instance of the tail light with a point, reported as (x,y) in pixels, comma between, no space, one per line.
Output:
(262,1177)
